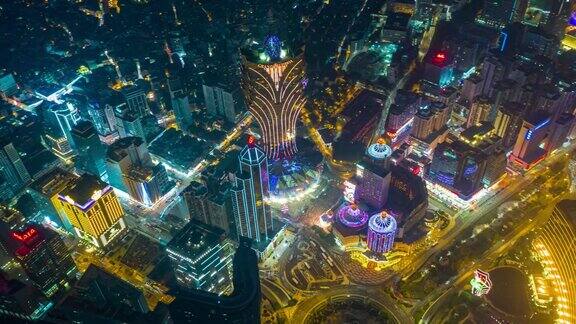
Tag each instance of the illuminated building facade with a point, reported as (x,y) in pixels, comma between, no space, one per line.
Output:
(250,195)
(202,258)
(273,81)
(66,116)
(529,147)
(372,184)
(497,14)
(131,170)
(555,247)
(42,254)
(93,210)
(458,167)
(135,98)
(381,232)
(430,121)
(439,68)
(508,122)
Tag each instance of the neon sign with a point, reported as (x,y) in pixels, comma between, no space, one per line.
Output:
(481,283)
(251,141)
(25,236)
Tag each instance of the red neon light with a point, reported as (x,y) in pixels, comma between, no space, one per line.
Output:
(416,170)
(251,141)
(25,236)
(440,57)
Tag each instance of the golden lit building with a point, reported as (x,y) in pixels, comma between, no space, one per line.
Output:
(93,209)
(273,81)
(557,252)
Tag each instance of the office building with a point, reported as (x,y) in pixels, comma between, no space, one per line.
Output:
(8,85)
(42,254)
(131,170)
(65,116)
(91,152)
(250,193)
(498,13)
(273,80)
(483,138)
(146,184)
(196,198)
(12,167)
(100,296)
(93,209)
(220,102)
(21,301)
(182,111)
(529,148)
(381,232)
(45,192)
(559,131)
(509,117)
(122,155)
(458,167)
(128,123)
(439,68)
(135,98)
(241,306)
(480,110)
(201,257)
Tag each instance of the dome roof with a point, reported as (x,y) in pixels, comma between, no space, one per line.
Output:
(382,223)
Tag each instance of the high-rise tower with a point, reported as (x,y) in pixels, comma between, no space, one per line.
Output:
(273,80)
(249,195)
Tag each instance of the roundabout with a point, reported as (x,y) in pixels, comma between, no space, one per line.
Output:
(349,304)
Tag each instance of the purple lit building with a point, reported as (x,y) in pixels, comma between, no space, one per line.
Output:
(381,232)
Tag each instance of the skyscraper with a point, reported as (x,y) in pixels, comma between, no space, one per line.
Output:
(439,68)
(45,192)
(180,104)
(93,210)
(529,148)
(249,194)
(373,183)
(219,102)
(130,169)
(12,167)
(65,116)
(201,256)
(182,112)
(91,152)
(41,253)
(135,98)
(273,81)
(128,122)
(196,198)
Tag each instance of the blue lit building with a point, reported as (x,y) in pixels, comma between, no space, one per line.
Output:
(458,167)
(530,143)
